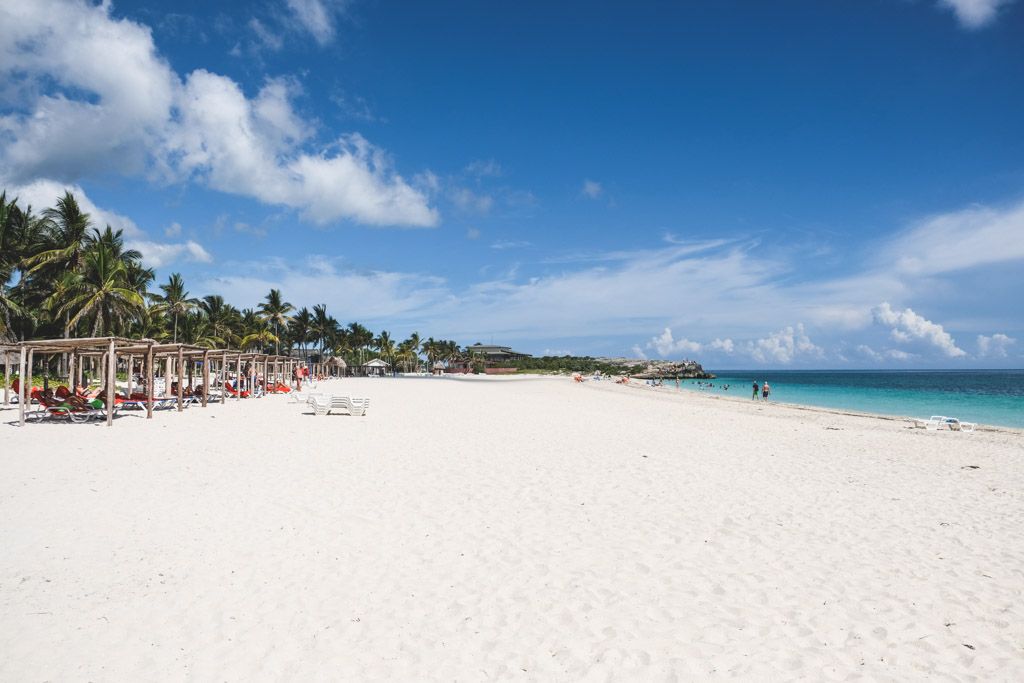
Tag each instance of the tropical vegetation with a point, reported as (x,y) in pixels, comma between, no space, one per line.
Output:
(61,276)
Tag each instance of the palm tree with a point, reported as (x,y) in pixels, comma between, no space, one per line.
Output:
(360,337)
(300,328)
(275,310)
(324,327)
(223,318)
(386,347)
(174,301)
(100,293)
(410,349)
(66,237)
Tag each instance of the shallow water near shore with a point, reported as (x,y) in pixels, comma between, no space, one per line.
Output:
(994,397)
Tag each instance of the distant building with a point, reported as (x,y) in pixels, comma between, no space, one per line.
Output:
(375,367)
(495,354)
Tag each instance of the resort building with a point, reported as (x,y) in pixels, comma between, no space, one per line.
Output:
(495,354)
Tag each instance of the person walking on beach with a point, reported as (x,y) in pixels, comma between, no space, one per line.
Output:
(756,388)
(765,390)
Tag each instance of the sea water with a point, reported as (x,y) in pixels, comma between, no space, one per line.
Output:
(994,397)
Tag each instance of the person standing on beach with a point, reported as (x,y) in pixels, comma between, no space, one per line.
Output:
(756,388)
(765,390)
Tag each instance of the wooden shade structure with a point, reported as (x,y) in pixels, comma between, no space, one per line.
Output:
(179,357)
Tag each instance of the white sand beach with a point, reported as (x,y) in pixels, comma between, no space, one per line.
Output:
(530,529)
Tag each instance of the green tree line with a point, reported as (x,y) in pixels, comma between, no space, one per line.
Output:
(60,276)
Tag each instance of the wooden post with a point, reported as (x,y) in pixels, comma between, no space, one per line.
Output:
(149,383)
(21,388)
(238,378)
(206,376)
(71,373)
(27,386)
(181,379)
(111,383)
(131,361)
(7,379)
(167,376)
(224,377)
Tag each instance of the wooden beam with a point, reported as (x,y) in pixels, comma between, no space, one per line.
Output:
(181,379)
(21,388)
(206,377)
(149,384)
(111,383)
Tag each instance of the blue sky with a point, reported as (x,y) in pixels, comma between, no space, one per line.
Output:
(799,184)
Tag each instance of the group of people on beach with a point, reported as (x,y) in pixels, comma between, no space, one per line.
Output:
(764,389)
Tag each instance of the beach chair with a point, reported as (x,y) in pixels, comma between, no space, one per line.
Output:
(934,422)
(353,406)
(320,404)
(958,426)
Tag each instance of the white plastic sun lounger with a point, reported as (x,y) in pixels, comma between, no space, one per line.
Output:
(958,426)
(933,422)
(322,405)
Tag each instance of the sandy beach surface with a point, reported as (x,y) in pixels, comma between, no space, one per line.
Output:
(509,528)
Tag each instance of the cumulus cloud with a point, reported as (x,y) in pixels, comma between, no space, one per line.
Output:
(907,326)
(726,346)
(994,346)
(591,189)
(784,346)
(97,97)
(666,345)
(974,13)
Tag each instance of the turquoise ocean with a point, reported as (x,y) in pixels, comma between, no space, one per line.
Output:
(993,397)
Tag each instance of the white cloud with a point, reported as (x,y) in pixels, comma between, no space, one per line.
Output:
(592,189)
(173,230)
(99,98)
(994,346)
(638,352)
(666,345)
(868,352)
(158,255)
(484,169)
(317,17)
(958,240)
(472,234)
(467,200)
(726,346)
(509,244)
(266,37)
(907,326)
(896,354)
(974,13)
(784,346)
